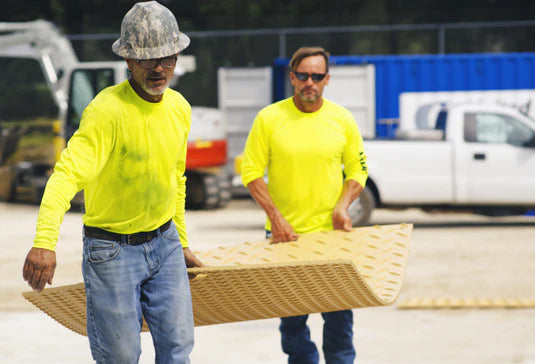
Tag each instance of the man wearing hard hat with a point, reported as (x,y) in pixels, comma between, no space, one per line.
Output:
(129,157)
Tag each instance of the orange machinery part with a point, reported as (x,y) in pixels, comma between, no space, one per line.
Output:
(203,153)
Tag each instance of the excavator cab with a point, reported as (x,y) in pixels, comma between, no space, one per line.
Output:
(85,84)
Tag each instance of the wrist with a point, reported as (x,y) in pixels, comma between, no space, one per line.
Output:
(44,245)
(274,215)
(340,208)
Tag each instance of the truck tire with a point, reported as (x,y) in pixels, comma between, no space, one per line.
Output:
(361,209)
(8,191)
(225,190)
(38,189)
(206,191)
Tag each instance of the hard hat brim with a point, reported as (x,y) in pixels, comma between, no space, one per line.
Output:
(122,49)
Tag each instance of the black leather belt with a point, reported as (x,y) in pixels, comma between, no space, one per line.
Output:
(130,239)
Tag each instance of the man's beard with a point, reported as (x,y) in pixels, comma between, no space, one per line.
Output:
(155,91)
(306,98)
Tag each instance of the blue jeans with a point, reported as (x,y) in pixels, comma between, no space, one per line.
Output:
(123,283)
(337,337)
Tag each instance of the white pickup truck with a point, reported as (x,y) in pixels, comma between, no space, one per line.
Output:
(470,157)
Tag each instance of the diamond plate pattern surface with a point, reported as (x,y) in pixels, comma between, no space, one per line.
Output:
(462,303)
(320,272)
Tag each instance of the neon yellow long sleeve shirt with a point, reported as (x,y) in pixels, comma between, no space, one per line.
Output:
(304,154)
(129,157)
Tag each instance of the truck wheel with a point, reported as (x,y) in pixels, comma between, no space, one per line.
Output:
(12,196)
(206,191)
(361,209)
(225,190)
(8,190)
(38,189)
(201,191)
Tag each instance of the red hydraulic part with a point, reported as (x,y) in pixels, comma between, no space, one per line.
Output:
(203,153)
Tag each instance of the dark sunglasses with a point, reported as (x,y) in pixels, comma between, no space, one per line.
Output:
(303,76)
(148,64)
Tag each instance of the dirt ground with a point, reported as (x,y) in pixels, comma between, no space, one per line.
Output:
(451,256)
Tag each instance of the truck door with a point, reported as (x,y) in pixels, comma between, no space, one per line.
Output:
(242,92)
(496,162)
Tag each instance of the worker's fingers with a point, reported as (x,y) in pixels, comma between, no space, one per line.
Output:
(50,274)
(279,238)
(47,273)
(36,278)
(284,238)
(41,284)
(276,239)
(191,259)
(342,221)
(39,268)
(27,271)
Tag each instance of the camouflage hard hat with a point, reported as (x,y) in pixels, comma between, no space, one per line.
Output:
(149,30)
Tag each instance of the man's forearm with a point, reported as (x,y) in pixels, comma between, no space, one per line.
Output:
(260,193)
(281,229)
(350,193)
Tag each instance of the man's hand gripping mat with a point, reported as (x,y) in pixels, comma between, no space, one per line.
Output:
(320,272)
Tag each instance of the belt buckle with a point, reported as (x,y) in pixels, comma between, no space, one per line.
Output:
(128,241)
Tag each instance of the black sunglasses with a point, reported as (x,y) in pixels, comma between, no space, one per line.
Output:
(148,64)
(303,76)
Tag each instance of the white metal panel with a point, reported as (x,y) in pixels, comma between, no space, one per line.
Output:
(207,123)
(353,87)
(242,93)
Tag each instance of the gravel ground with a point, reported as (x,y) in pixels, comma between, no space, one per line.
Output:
(451,256)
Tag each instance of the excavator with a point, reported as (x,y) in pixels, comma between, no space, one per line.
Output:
(44,89)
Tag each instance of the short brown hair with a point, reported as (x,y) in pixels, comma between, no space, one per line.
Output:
(304,52)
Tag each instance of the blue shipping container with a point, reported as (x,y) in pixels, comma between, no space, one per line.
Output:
(425,73)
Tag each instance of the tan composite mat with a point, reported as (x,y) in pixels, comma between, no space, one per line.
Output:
(465,303)
(319,272)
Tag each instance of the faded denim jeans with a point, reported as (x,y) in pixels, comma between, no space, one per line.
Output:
(127,282)
(337,339)
(337,347)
